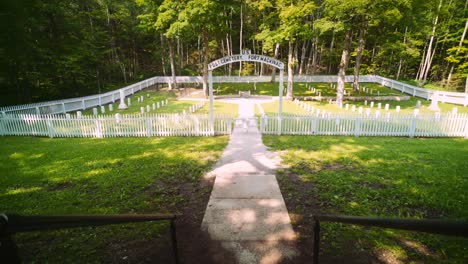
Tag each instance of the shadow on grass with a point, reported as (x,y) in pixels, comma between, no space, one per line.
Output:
(110,176)
(383,177)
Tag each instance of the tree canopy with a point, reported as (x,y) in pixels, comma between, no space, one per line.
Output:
(53,49)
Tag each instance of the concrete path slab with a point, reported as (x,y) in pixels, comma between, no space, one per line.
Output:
(246,211)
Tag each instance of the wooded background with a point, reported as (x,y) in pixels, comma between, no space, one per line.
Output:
(54,49)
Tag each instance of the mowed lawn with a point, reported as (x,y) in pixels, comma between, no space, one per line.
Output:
(380,177)
(99,176)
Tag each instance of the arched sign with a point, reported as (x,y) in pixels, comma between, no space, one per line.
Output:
(246,56)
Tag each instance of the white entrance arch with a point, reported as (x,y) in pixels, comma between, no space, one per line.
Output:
(246,56)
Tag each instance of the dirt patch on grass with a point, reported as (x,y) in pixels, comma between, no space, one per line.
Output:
(194,245)
(302,201)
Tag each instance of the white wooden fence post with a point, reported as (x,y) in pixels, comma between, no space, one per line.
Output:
(50,127)
(466,126)
(412,127)
(149,131)
(357,126)
(2,126)
(98,132)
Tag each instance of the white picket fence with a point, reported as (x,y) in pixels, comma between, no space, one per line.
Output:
(138,125)
(81,103)
(353,124)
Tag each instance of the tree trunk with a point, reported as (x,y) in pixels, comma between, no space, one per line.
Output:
(163,61)
(170,45)
(401,57)
(289,91)
(205,62)
(342,68)
(240,38)
(273,69)
(458,50)
(330,57)
(428,60)
(305,46)
(360,48)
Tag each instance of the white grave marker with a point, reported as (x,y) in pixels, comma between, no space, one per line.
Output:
(95,111)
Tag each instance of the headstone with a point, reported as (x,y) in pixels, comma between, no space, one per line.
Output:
(95,111)
(454,111)
(138,100)
(79,114)
(147,95)
(346,107)
(434,103)
(378,93)
(418,104)
(67,116)
(142,110)
(377,113)
(341,105)
(148,108)
(365,102)
(166,102)
(183,112)
(360,110)
(371,91)
(129,101)
(154,106)
(142,98)
(367,111)
(103,109)
(353,108)
(111,107)
(397,109)
(157,105)
(371,104)
(379,105)
(117,117)
(387,107)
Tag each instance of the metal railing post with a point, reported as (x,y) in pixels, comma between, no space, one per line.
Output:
(174,241)
(315,259)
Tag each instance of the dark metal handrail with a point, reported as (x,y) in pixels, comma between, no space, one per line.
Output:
(13,223)
(441,227)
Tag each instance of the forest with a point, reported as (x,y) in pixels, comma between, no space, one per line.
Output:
(54,49)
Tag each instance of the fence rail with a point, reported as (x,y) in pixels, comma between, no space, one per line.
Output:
(441,227)
(347,124)
(81,103)
(140,125)
(11,224)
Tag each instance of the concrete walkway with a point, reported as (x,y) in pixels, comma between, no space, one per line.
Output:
(246,211)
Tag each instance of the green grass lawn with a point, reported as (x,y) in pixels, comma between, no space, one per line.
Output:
(300,89)
(174,105)
(98,176)
(383,177)
(220,108)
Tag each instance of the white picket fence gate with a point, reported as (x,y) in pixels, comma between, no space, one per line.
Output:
(352,124)
(139,125)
